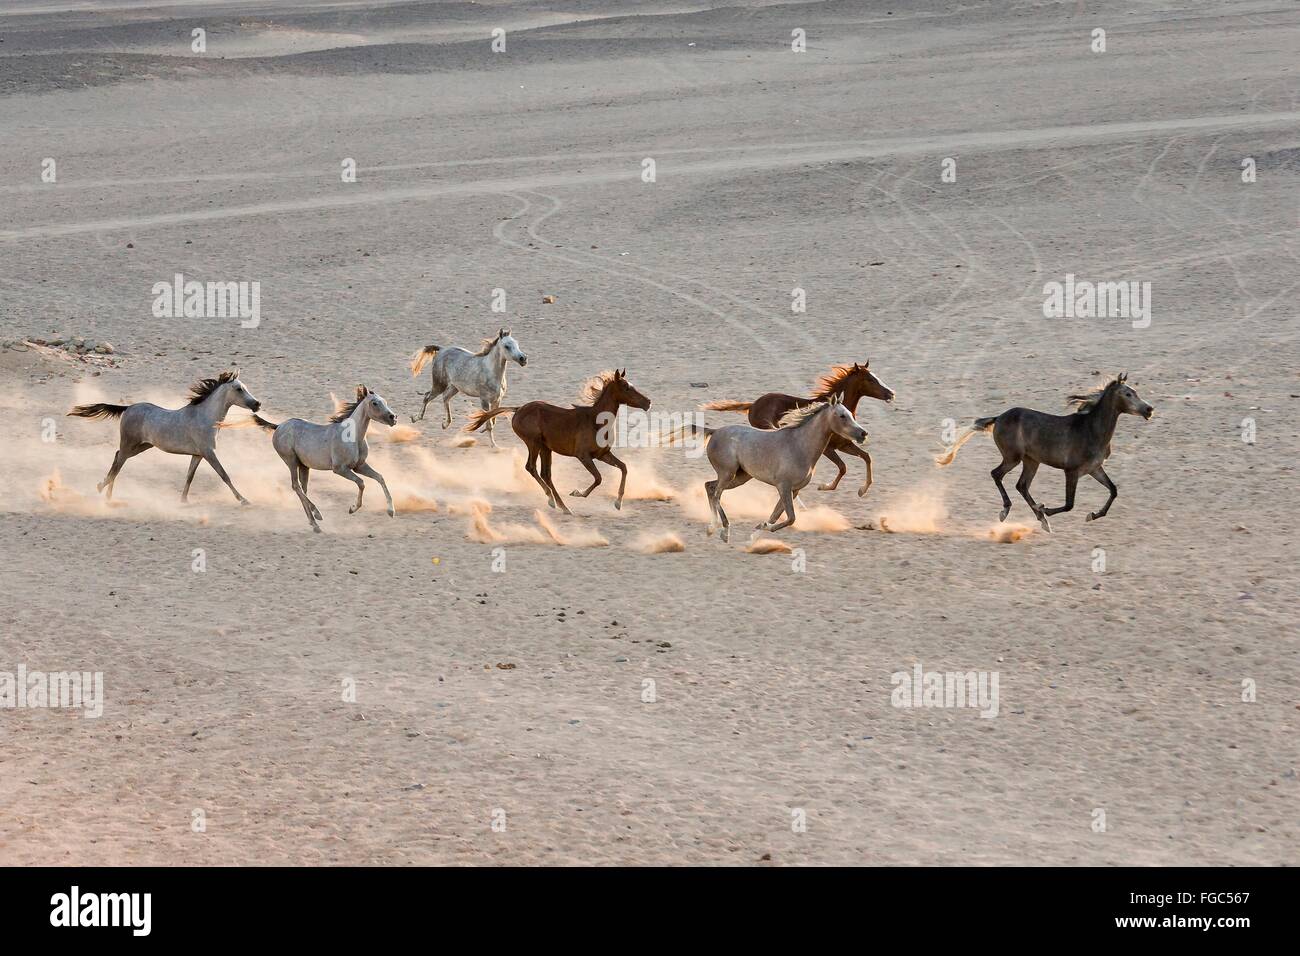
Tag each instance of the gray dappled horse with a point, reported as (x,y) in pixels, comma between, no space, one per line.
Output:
(190,430)
(1079,444)
(783,457)
(339,447)
(480,374)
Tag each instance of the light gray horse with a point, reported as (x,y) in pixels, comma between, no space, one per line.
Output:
(339,447)
(480,374)
(191,430)
(783,457)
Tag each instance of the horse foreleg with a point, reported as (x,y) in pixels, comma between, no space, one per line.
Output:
(369,472)
(488,405)
(343,471)
(211,458)
(1104,478)
(595,477)
(1071,482)
(866,458)
(787,504)
(189,478)
(1027,472)
(609,459)
(829,455)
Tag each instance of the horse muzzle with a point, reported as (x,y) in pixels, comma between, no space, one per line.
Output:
(1148,412)
(860,435)
(255,406)
(522,360)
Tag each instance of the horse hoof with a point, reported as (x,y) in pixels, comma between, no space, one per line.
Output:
(392,513)
(575,494)
(315,528)
(725,536)
(244,502)
(618,505)
(1005,512)
(352,510)
(862,492)
(825,487)
(1042,519)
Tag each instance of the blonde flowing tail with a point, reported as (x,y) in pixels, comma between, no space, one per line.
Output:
(250,422)
(677,435)
(981,425)
(727,406)
(421,358)
(479,419)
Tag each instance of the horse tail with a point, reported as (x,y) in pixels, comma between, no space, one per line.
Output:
(98,410)
(677,434)
(250,422)
(981,425)
(479,419)
(727,406)
(421,358)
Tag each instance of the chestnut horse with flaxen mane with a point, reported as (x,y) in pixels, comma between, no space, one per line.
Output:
(584,432)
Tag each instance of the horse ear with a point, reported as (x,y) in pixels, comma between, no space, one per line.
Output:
(361,392)
(1123,377)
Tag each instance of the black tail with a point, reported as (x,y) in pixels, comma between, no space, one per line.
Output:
(98,410)
(261,422)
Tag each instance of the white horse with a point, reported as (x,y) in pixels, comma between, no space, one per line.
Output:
(480,374)
(191,430)
(339,447)
(783,457)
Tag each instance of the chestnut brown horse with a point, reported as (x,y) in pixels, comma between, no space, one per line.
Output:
(584,432)
(848,382)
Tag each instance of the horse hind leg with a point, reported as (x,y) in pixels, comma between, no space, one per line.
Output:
(998,473)
(1027,472)
(304,473)
(123,455)
(556,500)
(451,392)
(531,467)
(296,482)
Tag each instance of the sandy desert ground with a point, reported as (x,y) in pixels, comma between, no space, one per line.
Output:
(499,716)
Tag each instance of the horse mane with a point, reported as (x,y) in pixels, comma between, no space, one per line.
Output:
(1085,402)
(801,416)
(486,345)
(344,412)
(834,381)
(594,386)
(204,387)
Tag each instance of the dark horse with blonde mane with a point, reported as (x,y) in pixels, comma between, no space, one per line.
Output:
(1078,444)
(584,432)
(848,383)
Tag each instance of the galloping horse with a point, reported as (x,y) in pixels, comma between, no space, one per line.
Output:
(849,382)
(783,457)
(339,447)
(1078,444)
(584,432)
(480,375)
(190,430)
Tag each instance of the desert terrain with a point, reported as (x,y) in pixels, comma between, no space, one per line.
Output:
(481,680)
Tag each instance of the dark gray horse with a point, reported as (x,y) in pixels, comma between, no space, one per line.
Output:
(1078,444)
(191,430)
